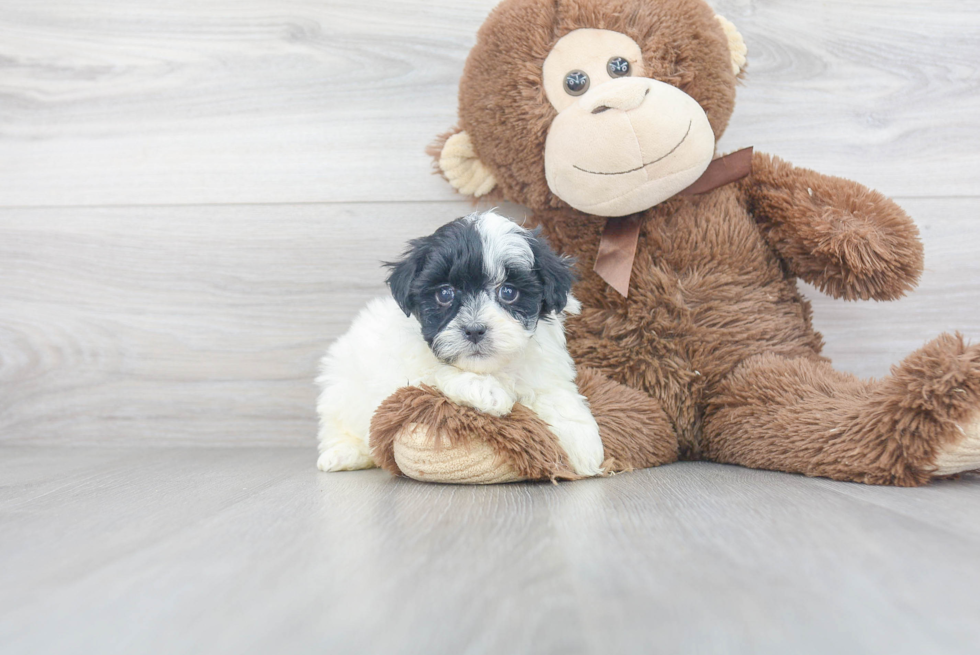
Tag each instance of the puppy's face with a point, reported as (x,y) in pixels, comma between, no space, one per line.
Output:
(478,286)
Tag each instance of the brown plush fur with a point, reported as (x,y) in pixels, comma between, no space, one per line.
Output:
(706,293)
(714,332)
(635,431)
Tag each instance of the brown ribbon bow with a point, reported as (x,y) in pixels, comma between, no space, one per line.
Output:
(617,247)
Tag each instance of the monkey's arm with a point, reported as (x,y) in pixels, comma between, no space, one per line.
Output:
(847,240)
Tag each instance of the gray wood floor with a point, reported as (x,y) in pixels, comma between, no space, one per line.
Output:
(250,550)
(194,200)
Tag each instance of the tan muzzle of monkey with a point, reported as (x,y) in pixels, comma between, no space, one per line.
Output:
(626,146)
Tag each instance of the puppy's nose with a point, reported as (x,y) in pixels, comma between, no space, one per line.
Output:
(475,332)
(622,94)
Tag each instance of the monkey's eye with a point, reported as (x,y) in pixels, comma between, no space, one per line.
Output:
(445,295)
(618,67)
(508,294)
(576,83)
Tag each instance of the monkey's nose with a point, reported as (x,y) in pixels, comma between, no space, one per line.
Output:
(622,94)
(475,332)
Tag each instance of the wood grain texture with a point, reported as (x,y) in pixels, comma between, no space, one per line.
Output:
(181,325)
(111,102)
(254,551)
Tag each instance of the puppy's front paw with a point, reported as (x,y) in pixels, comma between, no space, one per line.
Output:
(582,443)
(483,393)
(494,400)
(344,457)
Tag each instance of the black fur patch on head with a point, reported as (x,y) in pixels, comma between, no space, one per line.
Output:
(452,255)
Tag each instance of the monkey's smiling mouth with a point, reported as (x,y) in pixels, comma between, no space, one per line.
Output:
(642,166)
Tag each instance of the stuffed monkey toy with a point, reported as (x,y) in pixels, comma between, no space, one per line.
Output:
(601,116)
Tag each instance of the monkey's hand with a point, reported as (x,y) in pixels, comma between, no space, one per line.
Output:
(847,240)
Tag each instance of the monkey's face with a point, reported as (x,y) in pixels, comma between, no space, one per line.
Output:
(606,106)
(621,142)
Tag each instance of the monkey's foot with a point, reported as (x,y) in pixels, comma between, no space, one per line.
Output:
(420,433)
(419,457)
(960,456)
(941,380)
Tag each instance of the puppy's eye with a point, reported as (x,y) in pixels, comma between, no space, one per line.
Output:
(445,295)
(507,294)
(618,67)
(576,83)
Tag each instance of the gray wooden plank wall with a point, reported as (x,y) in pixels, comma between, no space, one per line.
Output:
(194,196)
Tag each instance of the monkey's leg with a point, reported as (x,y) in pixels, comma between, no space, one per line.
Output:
(635,431)
(420,433)
(802,416)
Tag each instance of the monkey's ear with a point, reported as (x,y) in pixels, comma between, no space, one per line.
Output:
(403,273)
(736,44)
(460,165)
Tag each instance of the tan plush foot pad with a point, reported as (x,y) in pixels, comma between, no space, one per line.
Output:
(961,456)
(477,463)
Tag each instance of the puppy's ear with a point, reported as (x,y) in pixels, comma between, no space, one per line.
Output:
(557,273)
(404,272)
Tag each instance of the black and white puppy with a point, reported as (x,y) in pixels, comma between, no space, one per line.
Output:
(477,311)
